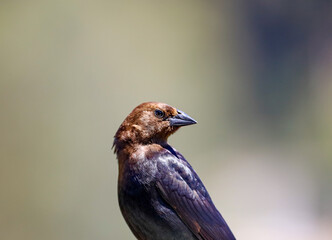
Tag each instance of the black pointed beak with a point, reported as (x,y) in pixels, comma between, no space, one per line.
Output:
(181,119)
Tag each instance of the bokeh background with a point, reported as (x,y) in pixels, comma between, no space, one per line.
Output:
(256,75)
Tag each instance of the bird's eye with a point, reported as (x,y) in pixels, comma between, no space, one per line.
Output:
(158,113)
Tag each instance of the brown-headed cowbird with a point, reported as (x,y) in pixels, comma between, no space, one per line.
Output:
(159,193)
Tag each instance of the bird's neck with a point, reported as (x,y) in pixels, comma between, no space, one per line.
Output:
(131,144)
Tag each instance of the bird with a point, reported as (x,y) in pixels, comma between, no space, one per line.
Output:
(159,193)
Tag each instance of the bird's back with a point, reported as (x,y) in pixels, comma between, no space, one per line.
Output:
(159,192)
(145,211)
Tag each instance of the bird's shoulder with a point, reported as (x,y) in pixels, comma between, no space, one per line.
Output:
(176,174)
(164,165)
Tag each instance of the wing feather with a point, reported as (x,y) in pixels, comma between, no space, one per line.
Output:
(182,189)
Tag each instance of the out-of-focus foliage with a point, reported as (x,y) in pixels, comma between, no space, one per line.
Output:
(256,75)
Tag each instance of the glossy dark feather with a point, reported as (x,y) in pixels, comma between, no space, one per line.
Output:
(182,189)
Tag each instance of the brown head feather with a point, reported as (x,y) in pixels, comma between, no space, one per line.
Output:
(141,126)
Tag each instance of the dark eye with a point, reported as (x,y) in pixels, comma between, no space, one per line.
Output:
(158,113)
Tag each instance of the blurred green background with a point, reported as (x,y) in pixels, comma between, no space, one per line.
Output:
(256,75)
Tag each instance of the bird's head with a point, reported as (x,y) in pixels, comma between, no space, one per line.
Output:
(151,122)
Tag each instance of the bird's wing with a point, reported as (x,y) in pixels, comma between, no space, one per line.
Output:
(182,189)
